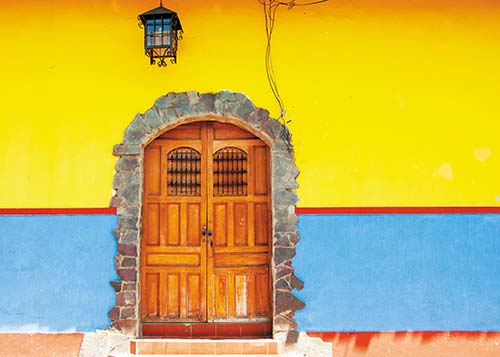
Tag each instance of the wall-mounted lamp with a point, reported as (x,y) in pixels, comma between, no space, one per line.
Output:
(162,32)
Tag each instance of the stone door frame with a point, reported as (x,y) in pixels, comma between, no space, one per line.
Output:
(175,109)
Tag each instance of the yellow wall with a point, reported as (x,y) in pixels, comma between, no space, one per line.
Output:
(393,103)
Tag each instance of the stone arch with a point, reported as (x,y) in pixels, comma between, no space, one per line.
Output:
(168,112)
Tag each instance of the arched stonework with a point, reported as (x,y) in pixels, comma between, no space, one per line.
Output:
(168,112)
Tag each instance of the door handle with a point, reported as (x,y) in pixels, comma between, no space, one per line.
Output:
(210,241)
(206,232)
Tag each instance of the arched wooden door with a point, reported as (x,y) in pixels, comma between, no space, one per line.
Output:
(206,227)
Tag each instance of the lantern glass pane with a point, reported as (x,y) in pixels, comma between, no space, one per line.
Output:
(149,33)
(158,25)
(166,39)
(158,34)
(167,32)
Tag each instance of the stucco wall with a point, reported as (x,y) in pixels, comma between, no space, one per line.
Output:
(399,272)
(55,272)
(361,272)
(392,102)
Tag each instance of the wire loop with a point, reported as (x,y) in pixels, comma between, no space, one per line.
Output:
(270,8)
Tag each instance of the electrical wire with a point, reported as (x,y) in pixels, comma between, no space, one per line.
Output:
(270,8)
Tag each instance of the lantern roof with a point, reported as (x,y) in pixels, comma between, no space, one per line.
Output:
(159,12)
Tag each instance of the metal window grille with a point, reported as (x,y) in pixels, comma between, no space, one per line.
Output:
(230,172)
(184,172)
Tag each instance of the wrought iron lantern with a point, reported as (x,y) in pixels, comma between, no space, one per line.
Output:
(162,32)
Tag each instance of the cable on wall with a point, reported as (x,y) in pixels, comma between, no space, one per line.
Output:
(270,8)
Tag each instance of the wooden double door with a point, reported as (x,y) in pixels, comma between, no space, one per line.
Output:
(206,226)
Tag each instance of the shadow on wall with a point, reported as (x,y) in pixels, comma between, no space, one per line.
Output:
(368,344)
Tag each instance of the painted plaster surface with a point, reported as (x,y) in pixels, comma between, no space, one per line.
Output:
(414,344)
(55,272)
(399,272)
(46,345)
(361,272)
(391,102)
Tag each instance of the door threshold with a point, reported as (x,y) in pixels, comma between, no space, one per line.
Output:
(207,330)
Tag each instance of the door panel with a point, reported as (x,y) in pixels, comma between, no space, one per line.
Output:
(151,301)
(262,285)
(210,178)
(261,224)
(241,294)
(173,258)
(240,224)
(239,211)
(152,165)
(194,219)
(173,224)
(260,171)
(220,224)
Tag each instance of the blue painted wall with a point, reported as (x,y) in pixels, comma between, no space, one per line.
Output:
(361,272)
(399,272)
(55,272)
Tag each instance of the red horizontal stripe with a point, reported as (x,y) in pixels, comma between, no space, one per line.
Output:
(397,210)
(61,211)
(298,210)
